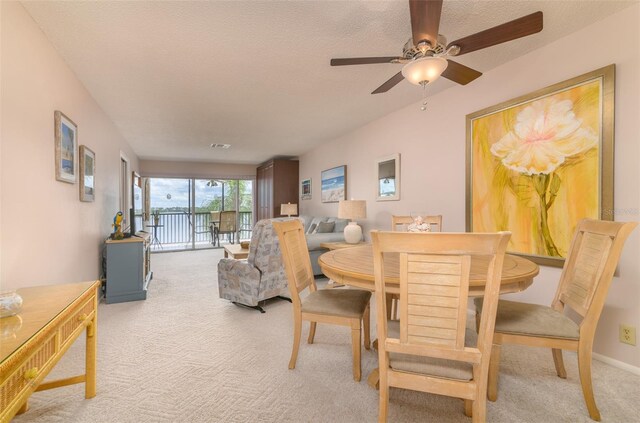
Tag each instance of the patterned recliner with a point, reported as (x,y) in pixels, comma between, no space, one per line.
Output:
(261,275)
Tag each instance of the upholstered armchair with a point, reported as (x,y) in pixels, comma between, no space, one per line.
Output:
(261,276)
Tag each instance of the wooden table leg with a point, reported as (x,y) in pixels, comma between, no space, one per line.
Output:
(226,254)
(91,357)
(374,379)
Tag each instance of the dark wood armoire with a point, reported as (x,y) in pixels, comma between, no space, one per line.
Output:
(276,184)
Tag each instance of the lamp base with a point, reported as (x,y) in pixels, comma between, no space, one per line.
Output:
(352,233)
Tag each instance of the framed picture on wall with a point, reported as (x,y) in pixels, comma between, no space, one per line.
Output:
(305,189)
(334,184)
(538,164)
(87,174)
(66,140)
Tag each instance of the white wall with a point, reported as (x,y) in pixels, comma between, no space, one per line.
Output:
(432,148)
(47,235)
(204,170)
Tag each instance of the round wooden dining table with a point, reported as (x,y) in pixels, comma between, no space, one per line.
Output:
(354,267)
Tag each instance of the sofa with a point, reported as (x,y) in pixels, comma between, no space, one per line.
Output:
(261,276)
(315,239)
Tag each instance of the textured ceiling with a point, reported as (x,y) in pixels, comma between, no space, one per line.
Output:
(177,76)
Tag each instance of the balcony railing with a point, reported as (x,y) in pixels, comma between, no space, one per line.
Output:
(176,228)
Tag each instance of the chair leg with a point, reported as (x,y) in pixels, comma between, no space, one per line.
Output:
(559,362)
(384,398)
(468,408)
(366,327)
(297,329)
(355,347)
(479,410)
(494,370)
(584,367)
(396,304)
(312,332)
(389,302)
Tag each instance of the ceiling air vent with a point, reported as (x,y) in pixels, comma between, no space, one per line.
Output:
(225,146)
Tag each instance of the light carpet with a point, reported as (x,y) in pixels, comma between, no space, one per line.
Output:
(184,355)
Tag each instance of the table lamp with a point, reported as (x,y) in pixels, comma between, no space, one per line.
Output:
(288,209)
(352,210)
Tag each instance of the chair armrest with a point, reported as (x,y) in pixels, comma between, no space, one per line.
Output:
(227,265)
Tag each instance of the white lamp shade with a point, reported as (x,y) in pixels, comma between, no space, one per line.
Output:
(288,209)
(352,209)
(425,69)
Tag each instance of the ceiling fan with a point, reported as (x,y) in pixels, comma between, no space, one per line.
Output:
(426,56)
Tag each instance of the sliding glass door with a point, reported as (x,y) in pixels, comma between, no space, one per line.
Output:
(185,213)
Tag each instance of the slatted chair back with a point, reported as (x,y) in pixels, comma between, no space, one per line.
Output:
(295,257)
(433,299)
(434,285)
(400,223)
(590,265)
(227,221)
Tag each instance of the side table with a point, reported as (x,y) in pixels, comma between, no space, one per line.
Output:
(235,251)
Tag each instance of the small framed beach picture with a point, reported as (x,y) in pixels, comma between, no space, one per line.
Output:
(87,174)
(334,184)
(305,189)
(66,139)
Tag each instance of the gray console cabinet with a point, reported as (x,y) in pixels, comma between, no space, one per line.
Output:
(128,269)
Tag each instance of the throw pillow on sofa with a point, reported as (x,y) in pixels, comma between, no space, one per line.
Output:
(313,226)
(325,227)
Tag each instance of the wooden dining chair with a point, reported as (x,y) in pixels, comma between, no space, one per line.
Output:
(584,282)
(346,307)
(400,223)
(428,350)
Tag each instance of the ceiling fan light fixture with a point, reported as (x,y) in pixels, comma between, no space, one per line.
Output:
(424,70)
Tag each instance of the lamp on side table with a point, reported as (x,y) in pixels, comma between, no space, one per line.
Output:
(352,210)
(288,209)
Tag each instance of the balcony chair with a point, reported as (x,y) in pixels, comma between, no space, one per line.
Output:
(260,277)
(198,229)
(584,282)
(214,227)
(400,223)
(345,307)
(228,225)
(429,348)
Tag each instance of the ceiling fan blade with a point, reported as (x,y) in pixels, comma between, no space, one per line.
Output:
(425,20)
(460,73)
(395,80)
(512,30)
(362,61)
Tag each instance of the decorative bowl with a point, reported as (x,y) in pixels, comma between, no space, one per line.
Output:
(244,244)
(10,303)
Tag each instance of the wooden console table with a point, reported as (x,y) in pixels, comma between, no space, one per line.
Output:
(32,342)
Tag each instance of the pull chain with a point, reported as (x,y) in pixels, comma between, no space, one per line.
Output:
(424,96)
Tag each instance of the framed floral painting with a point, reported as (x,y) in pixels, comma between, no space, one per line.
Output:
(538,164)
